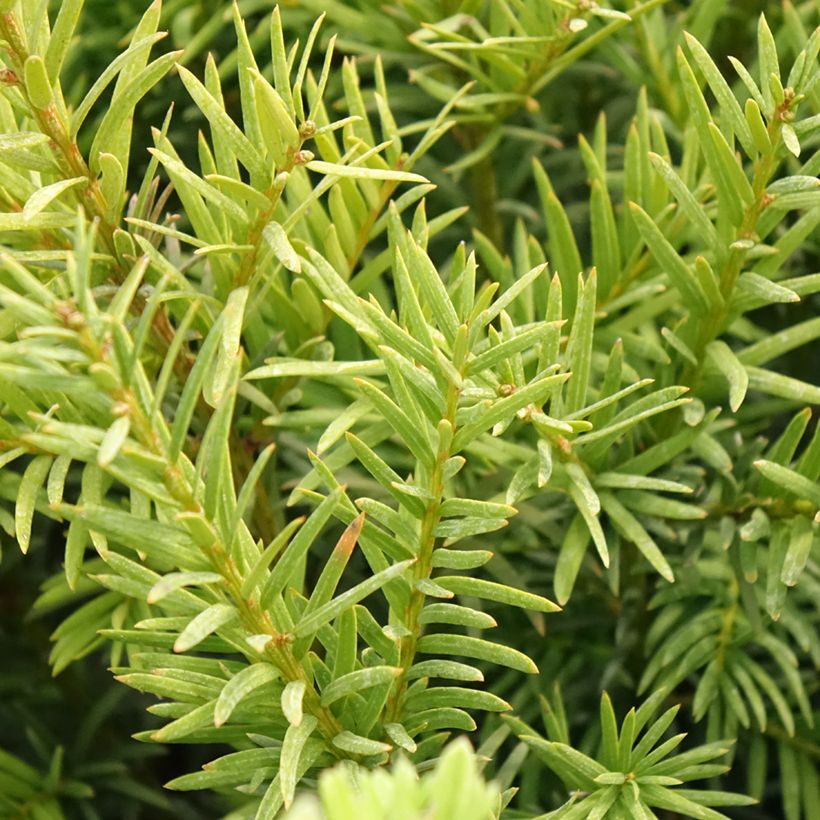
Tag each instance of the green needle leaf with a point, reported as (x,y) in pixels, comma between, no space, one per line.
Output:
(679,272)
(361,172)
(295,739)
(239,687)
(476,648)
(337,605)
(204,624)
(735,373)
(492,591)
(357,681)
(30,485)
(789,480)
(292,697)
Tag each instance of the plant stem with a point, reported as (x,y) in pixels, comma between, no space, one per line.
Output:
(363,234)
(802,744)
(274,193)
(718,317)
(51,123)
(728,625)
(422,569)
(715,321)
(254,619)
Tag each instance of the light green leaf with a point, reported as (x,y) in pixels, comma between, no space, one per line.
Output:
(276,237)
(652,504)
(451,670)
(334,607)
(535,393)
(184,178)
(579,346)
(786,387)
(187,402)
(766,290)
(241,685)
(628,481)
(113,440)
(422,271)
(454,529)
(61,35)
(492,357)
(573,549)
(492,591)
(204,624)
(590,517)
(357,745)
(769,65)
(460,559)
(38,86)
(218,379)
(476,648)
(361,172)
(177,580)
(359,680)
(459,615)
(398,734)
(224,128)
(122,106)
(790,480)
(731,168)
(729,105)
(631,528)
(196,720)
(516,289)
(292,698)
(729,365)
(289,561)
(289,368)
(679,272)
(689,205)
(456,697)
(122,63)
(43,197)
(295,738)
(30,485)
(801,538)
(757,128)
(56,479)
(579,478)
(791,141)
(414,437)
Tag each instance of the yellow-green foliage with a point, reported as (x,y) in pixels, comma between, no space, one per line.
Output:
(429,369)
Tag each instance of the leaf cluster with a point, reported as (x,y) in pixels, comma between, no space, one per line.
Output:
(335,480)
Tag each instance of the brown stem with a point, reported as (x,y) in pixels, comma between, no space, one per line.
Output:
(255,620)
(363,233)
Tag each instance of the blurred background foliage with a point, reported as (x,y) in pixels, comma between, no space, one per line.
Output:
(485,162)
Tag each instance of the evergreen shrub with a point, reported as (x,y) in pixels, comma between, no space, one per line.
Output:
(410,404)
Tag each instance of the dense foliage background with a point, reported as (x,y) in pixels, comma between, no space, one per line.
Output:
(542,153)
